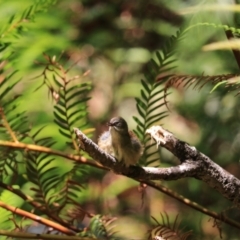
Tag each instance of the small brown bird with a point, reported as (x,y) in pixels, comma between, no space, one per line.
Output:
(120,142)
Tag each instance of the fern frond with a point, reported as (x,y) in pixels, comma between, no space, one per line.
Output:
(67,198)
(8,165)
(5,215)
(164,230)
(13,126)
(41,173)
(13,123)
(99,228)
(71,109)
(150,104)
(197,82)
(16,23)
(225,27)
(71,99)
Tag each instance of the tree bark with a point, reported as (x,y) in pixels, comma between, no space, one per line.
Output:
(193,164)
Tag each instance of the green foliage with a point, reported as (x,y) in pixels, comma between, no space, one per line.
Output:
(150,106)
(15,26)
(100,228)
(13,125)
(57,195)
(57,187)
(71,96)
(6,217)
(8,109)
(198,82)
(225,27)
(40,172)
(69,191)
(164,230)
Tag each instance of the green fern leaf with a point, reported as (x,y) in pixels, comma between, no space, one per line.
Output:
(41,170)
(164,230)
(66,134)
(197,82)
(13,126)
(214,25)
(67,193)
(5,216)
(152,93)
(98,227)
(145,86)
(71,101)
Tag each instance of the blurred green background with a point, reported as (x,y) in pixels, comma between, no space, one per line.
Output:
(112,41)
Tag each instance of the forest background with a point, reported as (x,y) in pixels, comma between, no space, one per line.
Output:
(106,45)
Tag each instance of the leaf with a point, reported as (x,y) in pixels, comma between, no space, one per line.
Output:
(153,92)
(145,86)
(140,103)
(38,131)
(9,88)
(60,110)
(217,85)
(155,118)
(140,111)
(65,134)
(61,119)
(139,123)
(159,57)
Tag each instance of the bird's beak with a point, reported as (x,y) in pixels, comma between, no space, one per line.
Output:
(110,124)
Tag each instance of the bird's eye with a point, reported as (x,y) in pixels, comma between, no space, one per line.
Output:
(118,124)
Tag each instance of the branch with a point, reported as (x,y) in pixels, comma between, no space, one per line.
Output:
(229,34)
(7,126)
(236,52)
(191,204)
(167,140)
(37,205)
(208,171)
(25,235)
(37,148)
(36,218)
(193,164)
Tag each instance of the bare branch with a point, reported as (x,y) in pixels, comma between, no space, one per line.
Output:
(25,235)
(37,148)
(36,218)
(208,171)
(36,205)
(193,164)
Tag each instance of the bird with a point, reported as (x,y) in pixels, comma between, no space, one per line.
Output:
(120,142)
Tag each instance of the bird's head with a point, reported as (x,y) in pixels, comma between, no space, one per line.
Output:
(119,125)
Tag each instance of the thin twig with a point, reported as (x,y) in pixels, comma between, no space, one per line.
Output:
(41,236)
(37,148)
(36,205)
(7,126)
(36,218)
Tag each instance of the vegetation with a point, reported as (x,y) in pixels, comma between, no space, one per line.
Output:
(75,64)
